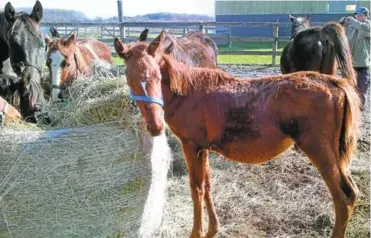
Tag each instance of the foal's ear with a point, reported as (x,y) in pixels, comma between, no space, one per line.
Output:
(121,49)
(156,44)
(9,12)
(308,17)
(54,32)
(144,35)
(292,18)
(37,12)
(71,39)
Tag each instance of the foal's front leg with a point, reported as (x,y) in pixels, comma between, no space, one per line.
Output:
(213,218)
(196,173)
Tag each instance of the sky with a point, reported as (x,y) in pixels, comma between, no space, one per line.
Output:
(107,8)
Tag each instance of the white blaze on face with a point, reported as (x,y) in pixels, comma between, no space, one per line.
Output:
(55,66)
(144,83)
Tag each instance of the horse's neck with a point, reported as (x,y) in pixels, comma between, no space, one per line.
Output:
(81,62)
(296,30)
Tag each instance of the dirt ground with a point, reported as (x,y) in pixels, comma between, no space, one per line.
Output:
(284,198)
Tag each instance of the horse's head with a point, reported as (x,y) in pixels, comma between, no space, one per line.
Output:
(144,78)
(26,56)
(62,63)
(299,24)
(25,37)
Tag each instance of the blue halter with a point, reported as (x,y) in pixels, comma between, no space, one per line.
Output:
(133,98)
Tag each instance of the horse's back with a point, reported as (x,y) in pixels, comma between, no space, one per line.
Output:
(304,52)
(307,50)
(99,49)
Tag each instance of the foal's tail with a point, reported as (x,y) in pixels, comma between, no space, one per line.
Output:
(350,125)
(337,39)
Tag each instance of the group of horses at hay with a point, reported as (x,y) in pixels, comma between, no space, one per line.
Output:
(177,81)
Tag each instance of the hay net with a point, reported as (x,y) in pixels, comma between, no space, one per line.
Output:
(97,175)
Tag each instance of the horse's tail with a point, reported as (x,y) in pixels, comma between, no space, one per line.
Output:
(336,38)
(350,124)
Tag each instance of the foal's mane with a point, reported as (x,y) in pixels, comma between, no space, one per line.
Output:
(184,80)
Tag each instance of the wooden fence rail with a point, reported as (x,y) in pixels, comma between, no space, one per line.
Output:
(218,31)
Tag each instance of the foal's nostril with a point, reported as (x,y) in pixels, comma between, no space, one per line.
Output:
(148,128)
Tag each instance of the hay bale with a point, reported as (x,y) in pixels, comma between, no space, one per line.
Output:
(94,173)
(97,181)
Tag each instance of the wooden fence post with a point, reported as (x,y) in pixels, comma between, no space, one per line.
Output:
(275,43)
(121,19)
(201,28)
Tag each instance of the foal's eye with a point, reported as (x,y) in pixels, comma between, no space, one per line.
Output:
(48,61)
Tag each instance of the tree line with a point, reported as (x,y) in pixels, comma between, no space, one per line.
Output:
(59,15)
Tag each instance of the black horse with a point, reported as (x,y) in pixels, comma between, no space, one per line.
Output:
(319,49)
(21,40)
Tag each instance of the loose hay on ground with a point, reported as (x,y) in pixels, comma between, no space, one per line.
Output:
(285,198)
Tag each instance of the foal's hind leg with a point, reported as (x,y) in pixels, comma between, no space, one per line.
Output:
(338,179)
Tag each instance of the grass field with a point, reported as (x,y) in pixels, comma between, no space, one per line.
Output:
(242,59)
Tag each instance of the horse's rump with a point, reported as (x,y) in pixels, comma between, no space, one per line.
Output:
(196,49)
(319,49)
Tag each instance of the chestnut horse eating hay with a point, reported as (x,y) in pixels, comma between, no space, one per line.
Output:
(250,121)
(68,58)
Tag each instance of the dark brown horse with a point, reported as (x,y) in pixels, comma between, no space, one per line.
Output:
(193,49)
(21,41)
(68,57)
(320,49)
(249,121)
